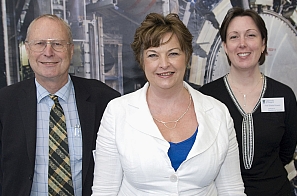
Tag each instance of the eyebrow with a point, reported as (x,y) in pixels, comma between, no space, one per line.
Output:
(245,30)
(151,50)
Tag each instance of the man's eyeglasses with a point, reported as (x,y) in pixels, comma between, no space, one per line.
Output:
(40,45)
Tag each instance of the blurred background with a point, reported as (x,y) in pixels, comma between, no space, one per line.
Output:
(103,31)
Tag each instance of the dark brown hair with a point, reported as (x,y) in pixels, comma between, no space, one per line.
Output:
(238,11)
(153,29)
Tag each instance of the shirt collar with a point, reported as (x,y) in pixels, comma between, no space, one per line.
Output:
(63,93)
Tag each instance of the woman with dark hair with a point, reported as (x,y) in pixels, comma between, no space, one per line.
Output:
(166,138)
(264,110)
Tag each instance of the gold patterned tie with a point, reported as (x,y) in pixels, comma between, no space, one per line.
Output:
(59,172)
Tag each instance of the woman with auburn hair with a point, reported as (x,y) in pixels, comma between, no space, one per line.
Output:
(166,138)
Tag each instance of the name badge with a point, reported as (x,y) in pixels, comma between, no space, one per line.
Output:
(272,104)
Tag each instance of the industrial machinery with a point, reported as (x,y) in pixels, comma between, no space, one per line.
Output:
(280,19)
(103,31)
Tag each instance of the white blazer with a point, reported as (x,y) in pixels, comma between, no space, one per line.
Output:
(131,154)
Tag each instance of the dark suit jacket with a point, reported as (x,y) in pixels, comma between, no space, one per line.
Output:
(18,111)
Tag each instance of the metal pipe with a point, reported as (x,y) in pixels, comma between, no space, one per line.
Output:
(6,48)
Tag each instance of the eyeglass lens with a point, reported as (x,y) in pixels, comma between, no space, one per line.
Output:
(40,45)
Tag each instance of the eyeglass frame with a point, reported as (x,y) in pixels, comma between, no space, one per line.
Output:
(49,41)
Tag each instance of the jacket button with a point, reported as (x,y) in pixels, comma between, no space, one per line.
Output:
(173,178)
(30,177)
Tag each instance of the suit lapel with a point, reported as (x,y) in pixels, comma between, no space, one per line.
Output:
(208,127)
(27,102)
(87,114)
(139,116)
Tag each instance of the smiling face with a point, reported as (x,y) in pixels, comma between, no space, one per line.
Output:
(244,43)
(49,65)
(165,66)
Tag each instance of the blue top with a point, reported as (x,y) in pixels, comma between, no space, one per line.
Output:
(178,152)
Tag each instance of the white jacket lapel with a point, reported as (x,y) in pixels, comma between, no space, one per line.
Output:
(208,127)
(139,116)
